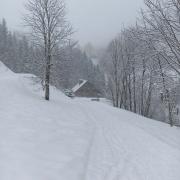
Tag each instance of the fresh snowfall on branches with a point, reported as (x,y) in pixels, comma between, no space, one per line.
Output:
(71,110)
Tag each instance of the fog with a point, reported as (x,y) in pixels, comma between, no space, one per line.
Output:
(95,21)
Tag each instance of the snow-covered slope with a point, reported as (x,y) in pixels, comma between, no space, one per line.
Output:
(77,139)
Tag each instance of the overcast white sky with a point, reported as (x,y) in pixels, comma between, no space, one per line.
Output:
(95,21)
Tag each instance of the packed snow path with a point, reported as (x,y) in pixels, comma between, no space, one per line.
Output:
(78,139)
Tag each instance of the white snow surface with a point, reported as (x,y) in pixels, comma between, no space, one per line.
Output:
(78,139)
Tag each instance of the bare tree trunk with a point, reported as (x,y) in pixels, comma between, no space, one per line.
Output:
(171,118)
(170,114)
(125,93)
(142,88)
(121,101)
(148,101)
(47,79)
(130,93)
(134,90)
(166,91)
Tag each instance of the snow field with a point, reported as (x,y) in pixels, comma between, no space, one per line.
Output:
(78,139)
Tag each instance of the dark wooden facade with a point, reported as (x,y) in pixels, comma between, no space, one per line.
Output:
(88,90)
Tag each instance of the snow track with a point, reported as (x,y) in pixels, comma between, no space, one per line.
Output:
(122,150)
(78,139)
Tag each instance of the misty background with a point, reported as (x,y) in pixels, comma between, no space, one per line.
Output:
(95,21)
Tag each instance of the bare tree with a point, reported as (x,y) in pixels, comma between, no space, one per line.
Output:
(142,60)
(163,18)
(114,73)
(161,24)
(46,18)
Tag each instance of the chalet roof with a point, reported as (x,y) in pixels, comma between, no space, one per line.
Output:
(81,83)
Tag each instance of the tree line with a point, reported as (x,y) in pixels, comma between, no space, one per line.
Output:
(69,63)
(48,50)
(142,64)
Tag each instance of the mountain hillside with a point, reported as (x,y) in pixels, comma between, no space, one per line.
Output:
(76,139)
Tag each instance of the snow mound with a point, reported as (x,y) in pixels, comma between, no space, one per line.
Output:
(78,139)
(4,70)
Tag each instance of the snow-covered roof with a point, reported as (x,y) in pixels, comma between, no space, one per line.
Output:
(81,83)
